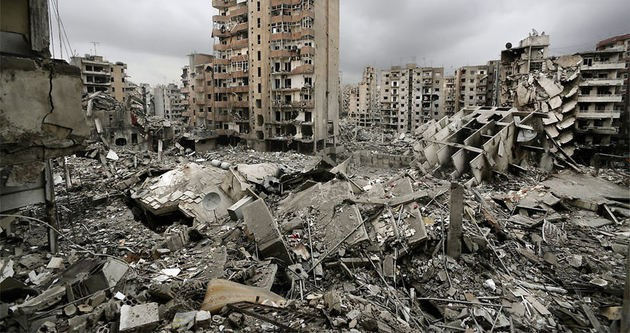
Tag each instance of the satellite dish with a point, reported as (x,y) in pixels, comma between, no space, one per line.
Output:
(508,45)
(211,201)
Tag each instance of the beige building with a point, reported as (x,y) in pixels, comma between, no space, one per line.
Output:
(621,42)
(471,84)
(410,96)
(99,74)
(274,78)
(450,94)
(363,107)
(526,58)
(600,99)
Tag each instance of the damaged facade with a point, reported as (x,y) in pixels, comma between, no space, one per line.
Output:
(100,75)
(363,104)
(411,96)
(441,220)
(273,80)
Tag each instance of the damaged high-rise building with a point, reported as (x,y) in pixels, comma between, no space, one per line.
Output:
(274,78)
(363,107)
(99,74)
(410,96)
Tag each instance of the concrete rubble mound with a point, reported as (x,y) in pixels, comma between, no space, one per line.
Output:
(477,222)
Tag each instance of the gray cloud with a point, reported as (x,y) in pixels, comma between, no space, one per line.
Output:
(154,36)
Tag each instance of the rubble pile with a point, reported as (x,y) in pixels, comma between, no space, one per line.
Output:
(553,91)
(237,240)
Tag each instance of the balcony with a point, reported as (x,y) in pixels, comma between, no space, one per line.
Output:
(600,98)
(281,54)
(239,89)
(223,3)
(303,104)
(281,18)
(100,73)
(275,3)
(307,50)
(221,61)
(239,43)
(102,84)
(239,27)
(604,66)
(242,10)
(239,58)
(222,33)
(304,69)
(222,76)
(281,36)
(305,32)
(605,130)
(220,19)
(599,115)
(601,82)
(238,74)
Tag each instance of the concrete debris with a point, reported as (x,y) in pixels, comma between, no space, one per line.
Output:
(527,239)
(143,317)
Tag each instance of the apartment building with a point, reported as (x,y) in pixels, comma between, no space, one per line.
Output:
(526,58)
(274,80)
(450,94)
(363,109)
(471,85)
(167,101)
(99,74)
(411,96)
(621,42)
(197,93)
(601,96)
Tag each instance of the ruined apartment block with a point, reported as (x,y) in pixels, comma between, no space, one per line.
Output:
(526,58)
(600,101)
(411,96)
(167,101)
(450,95)
(621,42)
(99,74)
(476,85)
(363,108)
(274,79)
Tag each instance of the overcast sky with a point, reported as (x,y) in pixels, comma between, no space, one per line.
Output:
(154,36)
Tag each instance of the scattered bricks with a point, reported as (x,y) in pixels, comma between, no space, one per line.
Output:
(143,317)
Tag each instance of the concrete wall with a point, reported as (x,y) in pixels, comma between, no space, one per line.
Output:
(40,110)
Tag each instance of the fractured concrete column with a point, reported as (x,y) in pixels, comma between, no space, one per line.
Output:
(456,206)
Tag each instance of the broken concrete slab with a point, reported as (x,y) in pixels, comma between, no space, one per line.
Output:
(143,317)
(223,292)
(236,210)
(260,223)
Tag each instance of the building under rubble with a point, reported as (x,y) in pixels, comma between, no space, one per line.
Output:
(273,80)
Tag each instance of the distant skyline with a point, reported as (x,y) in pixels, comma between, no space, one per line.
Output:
(153,37)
